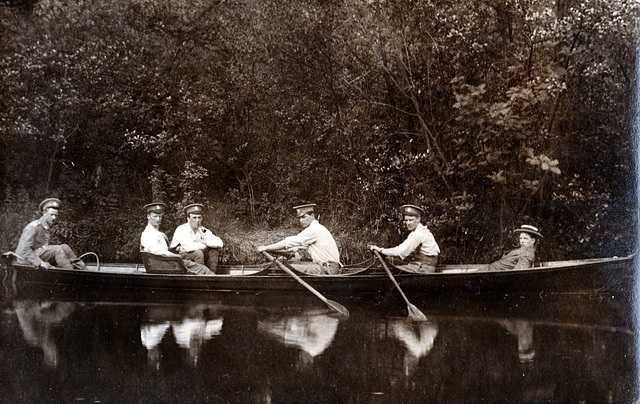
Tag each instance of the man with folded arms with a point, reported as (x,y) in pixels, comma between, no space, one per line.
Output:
(194,241)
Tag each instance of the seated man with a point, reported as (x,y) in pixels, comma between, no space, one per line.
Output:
(34,248)
(420,242)
(154,241)
(195,242)
(523,257)
(316,239)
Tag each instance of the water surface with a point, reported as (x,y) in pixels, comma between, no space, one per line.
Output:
(300,351)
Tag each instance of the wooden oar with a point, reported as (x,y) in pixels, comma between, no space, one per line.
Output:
(334,305)
(414,312)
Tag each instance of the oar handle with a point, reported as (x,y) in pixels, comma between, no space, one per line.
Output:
(386,268)
(414,312)
(294,275)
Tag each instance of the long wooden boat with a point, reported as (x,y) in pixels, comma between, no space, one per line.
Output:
(159,276)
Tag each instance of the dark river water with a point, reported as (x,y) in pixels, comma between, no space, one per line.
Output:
(294,350)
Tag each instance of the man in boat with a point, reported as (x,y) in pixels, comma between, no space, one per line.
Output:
(154,241)
(195,242)
(420,244)
(34,248)
(316,239)
(523,257)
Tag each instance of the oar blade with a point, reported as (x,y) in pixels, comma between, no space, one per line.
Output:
(338,307)
(415,314)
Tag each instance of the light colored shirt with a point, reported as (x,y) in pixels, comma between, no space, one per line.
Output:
(318,241)
(154,241)
(190,240)
(420,238)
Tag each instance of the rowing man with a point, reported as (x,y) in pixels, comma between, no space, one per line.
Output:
(420,243)
(316,239)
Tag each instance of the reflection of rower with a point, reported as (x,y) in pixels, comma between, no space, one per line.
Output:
(189,333)
(312,334)
(36,320)
(523,330)
(417,337)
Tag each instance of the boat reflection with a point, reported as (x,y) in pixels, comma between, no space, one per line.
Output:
(36,320)
(188,329)
(310,333)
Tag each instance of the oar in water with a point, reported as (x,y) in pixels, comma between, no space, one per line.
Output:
(414,312)
(334,305)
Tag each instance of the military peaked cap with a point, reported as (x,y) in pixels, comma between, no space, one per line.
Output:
(197,208)
(155,207)
(301,210)
(50,203)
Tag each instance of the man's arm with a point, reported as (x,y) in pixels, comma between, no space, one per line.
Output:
(280,245)
(25,247)
(182,238)
(405,248)
(211,239)
(154,242)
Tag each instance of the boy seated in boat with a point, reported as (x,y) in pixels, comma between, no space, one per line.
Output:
(420,242)
(316,239)
(523,257)
(154,241)
(34,248)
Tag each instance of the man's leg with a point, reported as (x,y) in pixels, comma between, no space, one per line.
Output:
(308,267)
(196,268)
(212,255)
(417,268)
(195,256)
(75,262)
(54,254)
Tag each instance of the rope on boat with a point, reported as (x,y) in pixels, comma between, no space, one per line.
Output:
(95,255)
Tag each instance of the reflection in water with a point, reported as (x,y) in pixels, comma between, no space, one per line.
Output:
(312,334)
(215,353)
(417,337)
(523,330)
(189,331)
(36,321)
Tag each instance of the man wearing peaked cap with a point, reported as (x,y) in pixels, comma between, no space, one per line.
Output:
(154,241)
(156,207)
(420,243)
(316,239)
(194,241)
(34,248)
(523,257)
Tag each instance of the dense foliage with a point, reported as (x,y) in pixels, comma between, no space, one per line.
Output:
(488,113)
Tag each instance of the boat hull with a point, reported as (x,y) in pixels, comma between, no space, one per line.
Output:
(607,275)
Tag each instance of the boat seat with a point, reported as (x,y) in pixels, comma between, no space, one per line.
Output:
(160,264)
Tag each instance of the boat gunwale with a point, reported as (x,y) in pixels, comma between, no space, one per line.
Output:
(368,270)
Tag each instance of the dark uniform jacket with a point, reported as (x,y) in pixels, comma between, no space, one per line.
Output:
(34,236)
(520,258)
